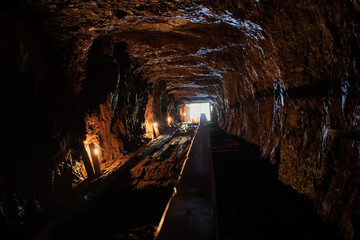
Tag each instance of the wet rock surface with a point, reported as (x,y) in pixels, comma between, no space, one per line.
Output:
(282,75)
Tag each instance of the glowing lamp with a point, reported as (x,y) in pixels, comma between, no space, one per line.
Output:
(96,151)
(155,125)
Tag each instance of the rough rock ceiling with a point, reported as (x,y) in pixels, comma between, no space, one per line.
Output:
(191,49)
(284,75)
(182,43)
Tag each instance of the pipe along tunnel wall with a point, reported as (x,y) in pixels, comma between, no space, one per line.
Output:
(283,76)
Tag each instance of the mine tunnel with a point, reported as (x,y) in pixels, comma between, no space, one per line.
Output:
(204,119)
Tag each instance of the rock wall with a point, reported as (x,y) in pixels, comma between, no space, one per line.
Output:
(62,97)
(298,99)
(115,99)
(282,75)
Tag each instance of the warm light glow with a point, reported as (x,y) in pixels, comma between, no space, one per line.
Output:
(96,151)
(169,120)
(184,114)
(195,109)
(156,130)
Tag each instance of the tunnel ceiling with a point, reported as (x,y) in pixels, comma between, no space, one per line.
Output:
(283,75)
(185,44)
(191,49)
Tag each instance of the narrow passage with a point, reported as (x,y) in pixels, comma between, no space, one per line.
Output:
(252,203)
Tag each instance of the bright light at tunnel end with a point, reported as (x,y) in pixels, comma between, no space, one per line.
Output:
(194,110)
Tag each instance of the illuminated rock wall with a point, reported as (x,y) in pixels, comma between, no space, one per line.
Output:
(298,99)
(283,75)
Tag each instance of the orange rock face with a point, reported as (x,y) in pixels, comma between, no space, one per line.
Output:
(283,76)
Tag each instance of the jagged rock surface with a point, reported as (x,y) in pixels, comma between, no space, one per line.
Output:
(282,75)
